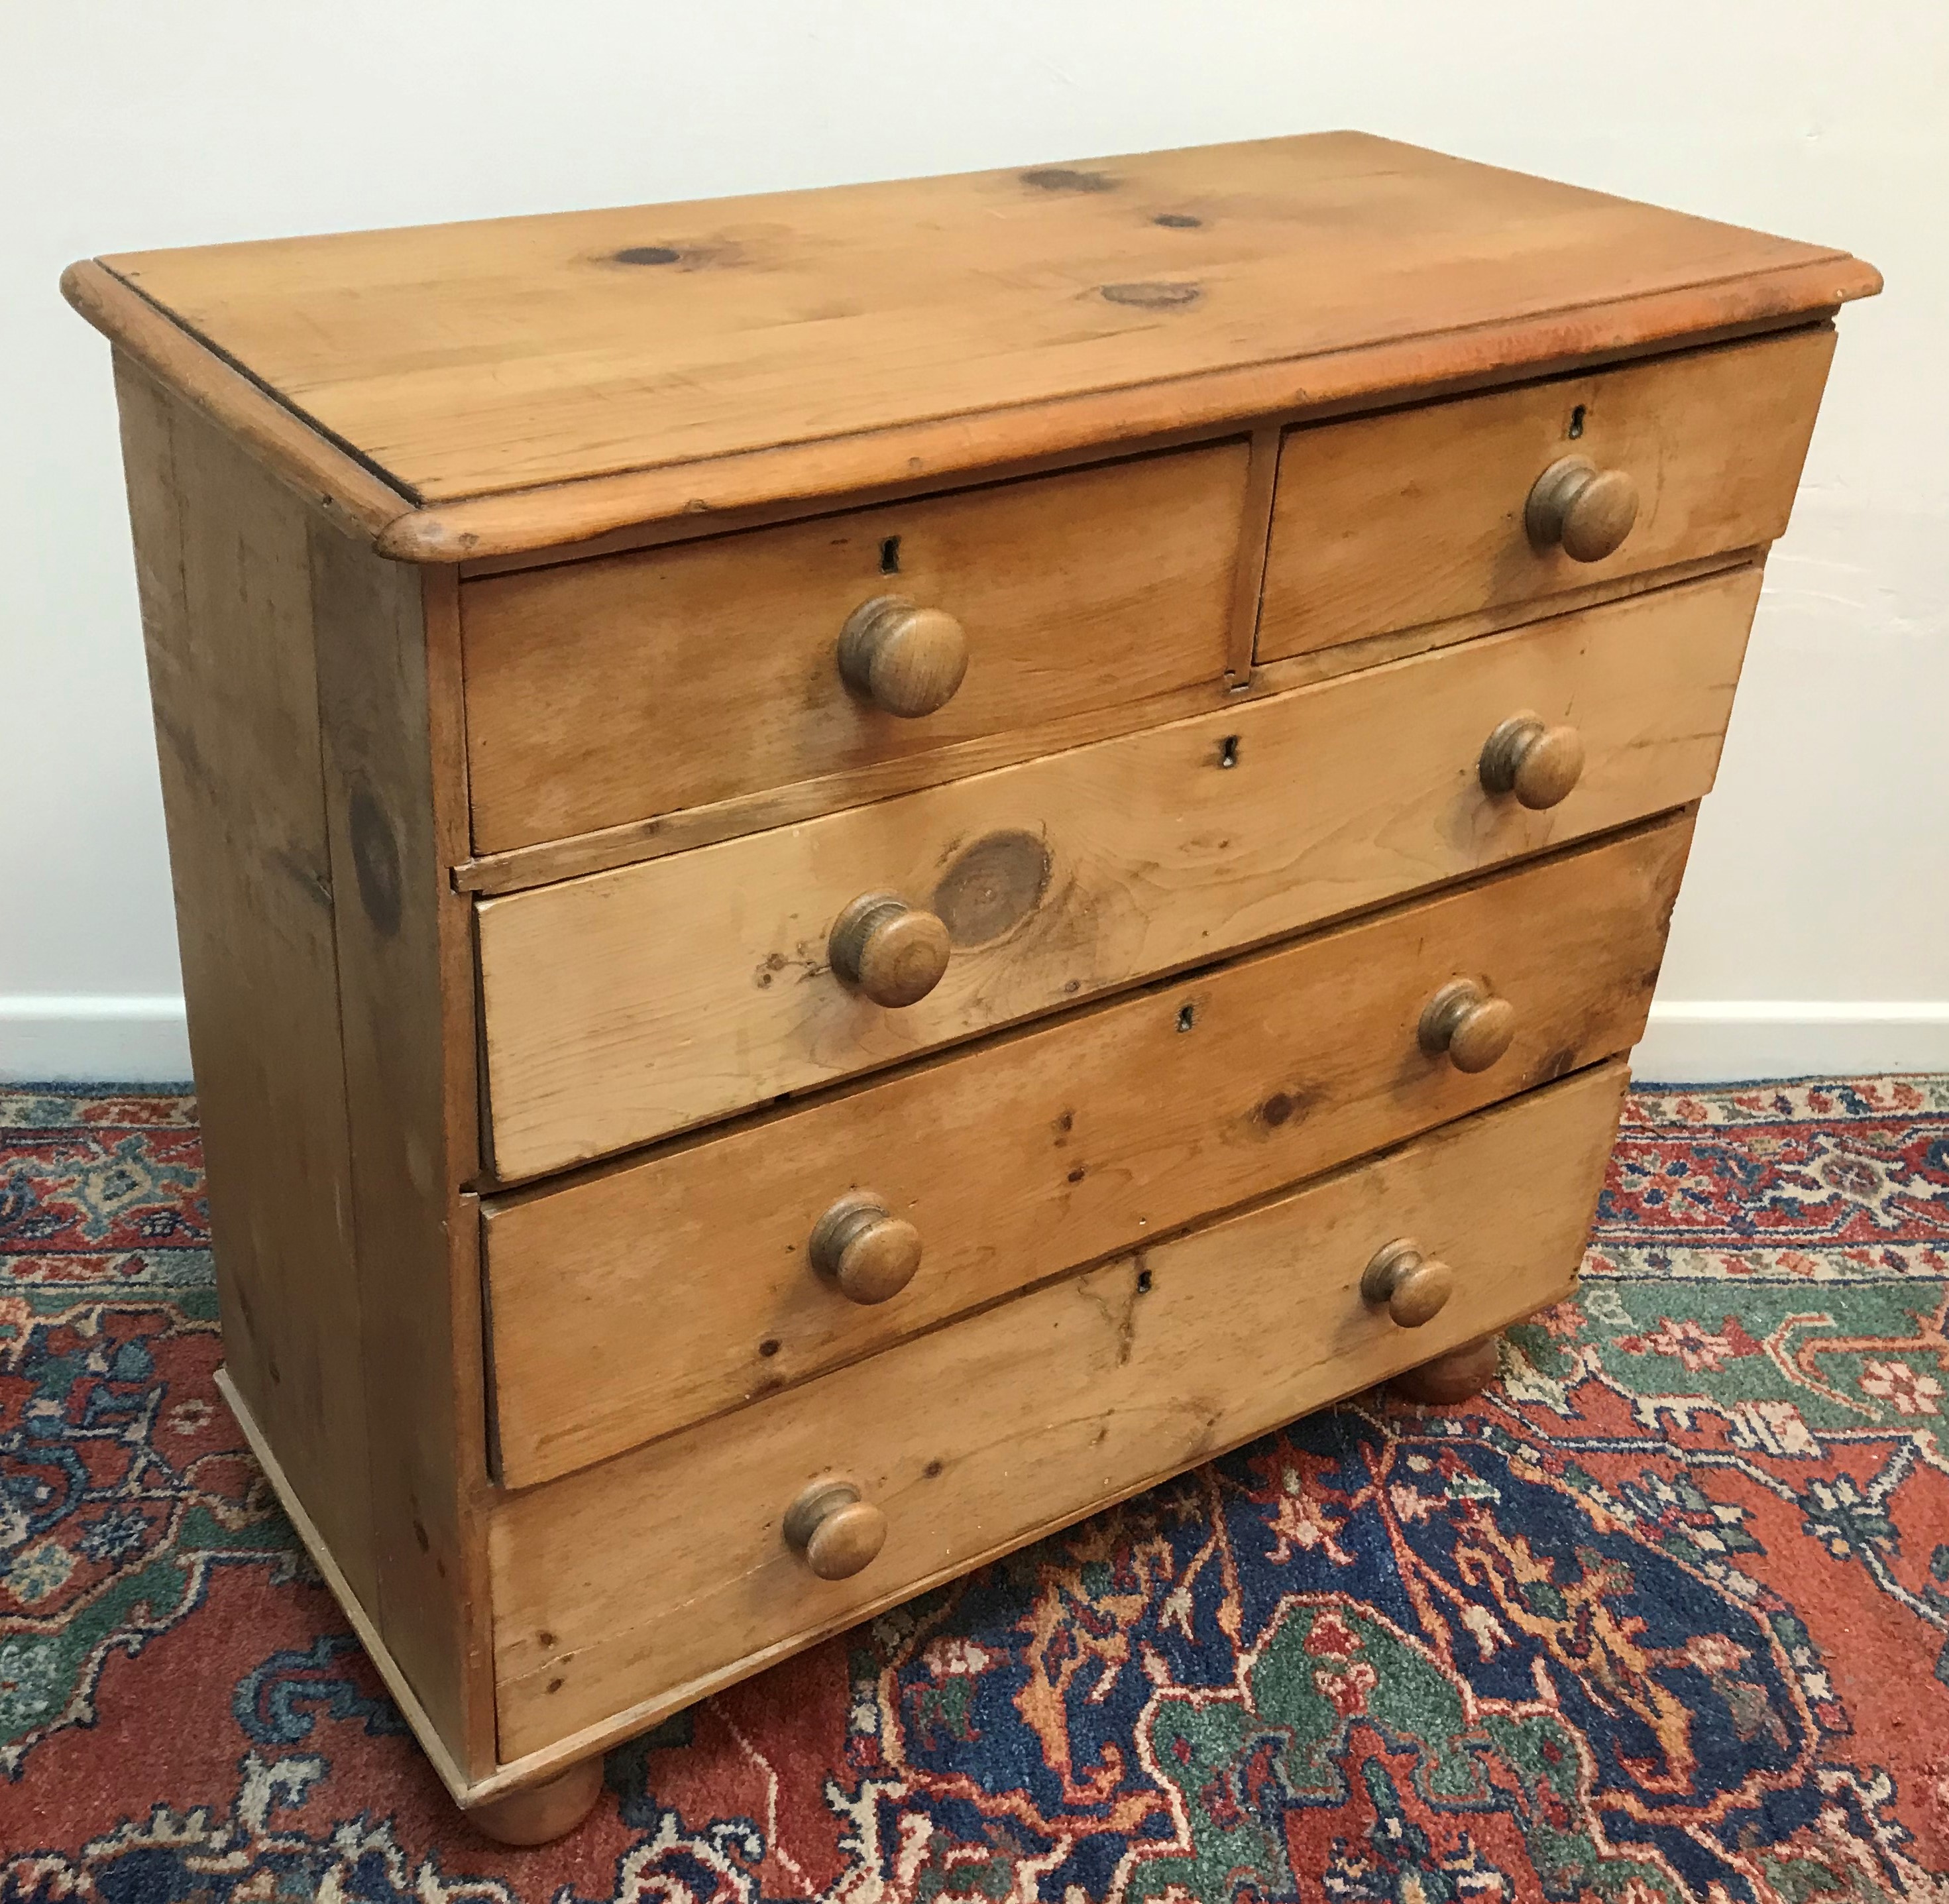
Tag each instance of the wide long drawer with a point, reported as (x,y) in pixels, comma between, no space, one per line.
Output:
(627,1005)
(611,690)
(1415,516)
(636,1301)
(631,1589)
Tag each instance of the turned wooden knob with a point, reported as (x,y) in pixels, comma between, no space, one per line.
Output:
(893,952)
(838,1533)
(1536,762)
(905,659)
(1474,1027)
(860,1245)
(1415,1288)
(1585,511)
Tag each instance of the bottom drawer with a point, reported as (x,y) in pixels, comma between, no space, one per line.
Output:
(628,1591)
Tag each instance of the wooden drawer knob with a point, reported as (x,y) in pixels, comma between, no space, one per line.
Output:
(1538,762)
(905,659)
(1474,1027)
(893,952)
(1585,511)
(860,1245)
(838,1533)
(1415,1288)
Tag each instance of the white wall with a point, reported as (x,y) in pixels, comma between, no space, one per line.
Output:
(1815,932)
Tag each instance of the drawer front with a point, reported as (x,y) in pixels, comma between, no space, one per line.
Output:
(634,1304)
(629,1004)
(615,689)
(630,1589)
(1417,515)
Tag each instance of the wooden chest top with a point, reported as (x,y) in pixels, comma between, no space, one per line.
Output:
(807,342)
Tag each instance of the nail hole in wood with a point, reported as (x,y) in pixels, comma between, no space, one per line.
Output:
(1143,1282)
(1187,1016)
(769,1346)
(1577,421)
(889,556)
(1228,751)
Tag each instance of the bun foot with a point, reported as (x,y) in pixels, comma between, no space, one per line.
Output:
(1452,1377)
(537,1813)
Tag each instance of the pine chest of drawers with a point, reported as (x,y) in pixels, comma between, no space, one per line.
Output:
(857,870)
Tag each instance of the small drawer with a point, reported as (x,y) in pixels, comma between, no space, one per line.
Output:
(624,1006)
(1418,515)
(628,686)
(627,1591)
(634,1303)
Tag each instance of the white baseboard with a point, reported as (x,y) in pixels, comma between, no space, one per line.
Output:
(93,1038)
(1717,1040)
(1690,1041)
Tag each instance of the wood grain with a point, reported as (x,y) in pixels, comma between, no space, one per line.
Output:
(1248,576)
(615,690)
(290,670)
(636,1301)
(223,563)
(520,353)
(409,1043)
(342,489)
(1062,1401)
(615,846)
(1391,521)
(1082,431)
(628,1005)
(452,1773)
(539,1813)
(665,503)
(649,508)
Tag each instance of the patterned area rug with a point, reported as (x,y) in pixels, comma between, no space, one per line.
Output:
(1664,1616)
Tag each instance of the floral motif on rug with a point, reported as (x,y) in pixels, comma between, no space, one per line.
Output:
(1664,1615)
